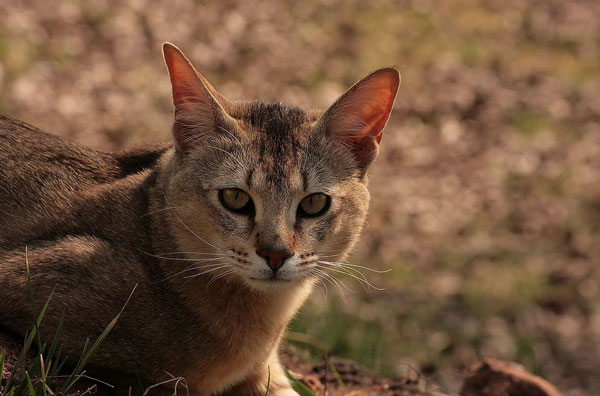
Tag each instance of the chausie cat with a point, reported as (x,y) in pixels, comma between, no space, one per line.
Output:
(224,232)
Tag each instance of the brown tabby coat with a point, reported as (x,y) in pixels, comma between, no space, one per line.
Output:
(93,226)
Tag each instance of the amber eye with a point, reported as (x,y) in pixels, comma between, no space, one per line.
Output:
(314,205)
(236,200)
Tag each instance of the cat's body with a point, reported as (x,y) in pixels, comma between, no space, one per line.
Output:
(93,226)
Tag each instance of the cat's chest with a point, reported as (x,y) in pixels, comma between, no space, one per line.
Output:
(234,358)
(242,338)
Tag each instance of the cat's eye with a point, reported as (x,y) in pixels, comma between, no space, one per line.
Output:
(314,205)
(236,200)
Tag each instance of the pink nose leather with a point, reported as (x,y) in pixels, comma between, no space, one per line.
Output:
(274,258)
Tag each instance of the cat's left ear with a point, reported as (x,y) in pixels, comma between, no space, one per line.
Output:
(358,117)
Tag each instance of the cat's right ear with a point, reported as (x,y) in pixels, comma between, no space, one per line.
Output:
(197,108)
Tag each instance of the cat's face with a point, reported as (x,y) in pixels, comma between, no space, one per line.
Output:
(266,193)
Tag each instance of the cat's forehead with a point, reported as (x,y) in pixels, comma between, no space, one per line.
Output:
(276,137)
(274,149)
(272,124)
(272,118)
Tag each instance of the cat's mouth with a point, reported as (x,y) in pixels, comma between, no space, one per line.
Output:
(271,279)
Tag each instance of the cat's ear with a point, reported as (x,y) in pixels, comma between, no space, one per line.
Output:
(358,117)
(197,107)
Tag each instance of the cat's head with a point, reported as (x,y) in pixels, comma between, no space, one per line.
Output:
(266,192)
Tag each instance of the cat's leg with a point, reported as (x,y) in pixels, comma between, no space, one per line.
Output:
(89,280)
(256,383)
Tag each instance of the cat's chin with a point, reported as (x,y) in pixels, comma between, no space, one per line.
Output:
(271,283)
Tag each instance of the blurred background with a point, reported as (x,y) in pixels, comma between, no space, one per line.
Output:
(486,194)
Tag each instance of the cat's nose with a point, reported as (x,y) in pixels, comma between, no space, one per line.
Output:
(274,258)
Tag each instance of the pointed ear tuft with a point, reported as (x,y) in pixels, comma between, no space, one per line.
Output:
(358,117)
(196,107)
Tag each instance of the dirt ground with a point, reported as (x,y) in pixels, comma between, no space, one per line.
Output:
(486,194)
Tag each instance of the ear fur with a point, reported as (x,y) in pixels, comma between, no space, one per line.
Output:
(358,117)
(197,106)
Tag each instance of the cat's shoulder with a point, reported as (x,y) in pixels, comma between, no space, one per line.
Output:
(18,137)
(20,140)
(14,131)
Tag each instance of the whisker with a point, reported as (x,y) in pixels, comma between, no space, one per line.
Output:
(327,268)
(207,271)
(191,268)
(334,281)
(328,255)
(214,279)
(353,272)
(201,260)
(357,266)
(362,279)
(332,253)
(198,253)
(347,270)
(183,224)
(154,211)
(322,286)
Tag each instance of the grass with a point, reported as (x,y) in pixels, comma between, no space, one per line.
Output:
(298,386)
(46,375)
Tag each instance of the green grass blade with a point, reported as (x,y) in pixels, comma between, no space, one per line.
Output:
(43,375)
(337,376)
(87,355)
(268,380)
(58,368)
(140,383)
(2,358)
(32,300)
(29,339)
(298,386)
(50,356)
(27,345)
(29,384)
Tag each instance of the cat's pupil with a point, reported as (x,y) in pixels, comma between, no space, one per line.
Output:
(236,200)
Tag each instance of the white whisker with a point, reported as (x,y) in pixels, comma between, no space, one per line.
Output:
(183,224)
(356,266)
(200,260)
(322,286)
(214,279)
(362,279)
(196,253)
(207,271)
(347,270)
(334,281)
(155,211)
(192,268)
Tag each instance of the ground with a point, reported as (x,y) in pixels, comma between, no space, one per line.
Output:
(486,195)
(330,377)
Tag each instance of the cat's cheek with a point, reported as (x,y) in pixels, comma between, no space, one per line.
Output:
(348,222)
(232,226)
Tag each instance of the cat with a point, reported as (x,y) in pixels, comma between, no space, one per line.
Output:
(220,236)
